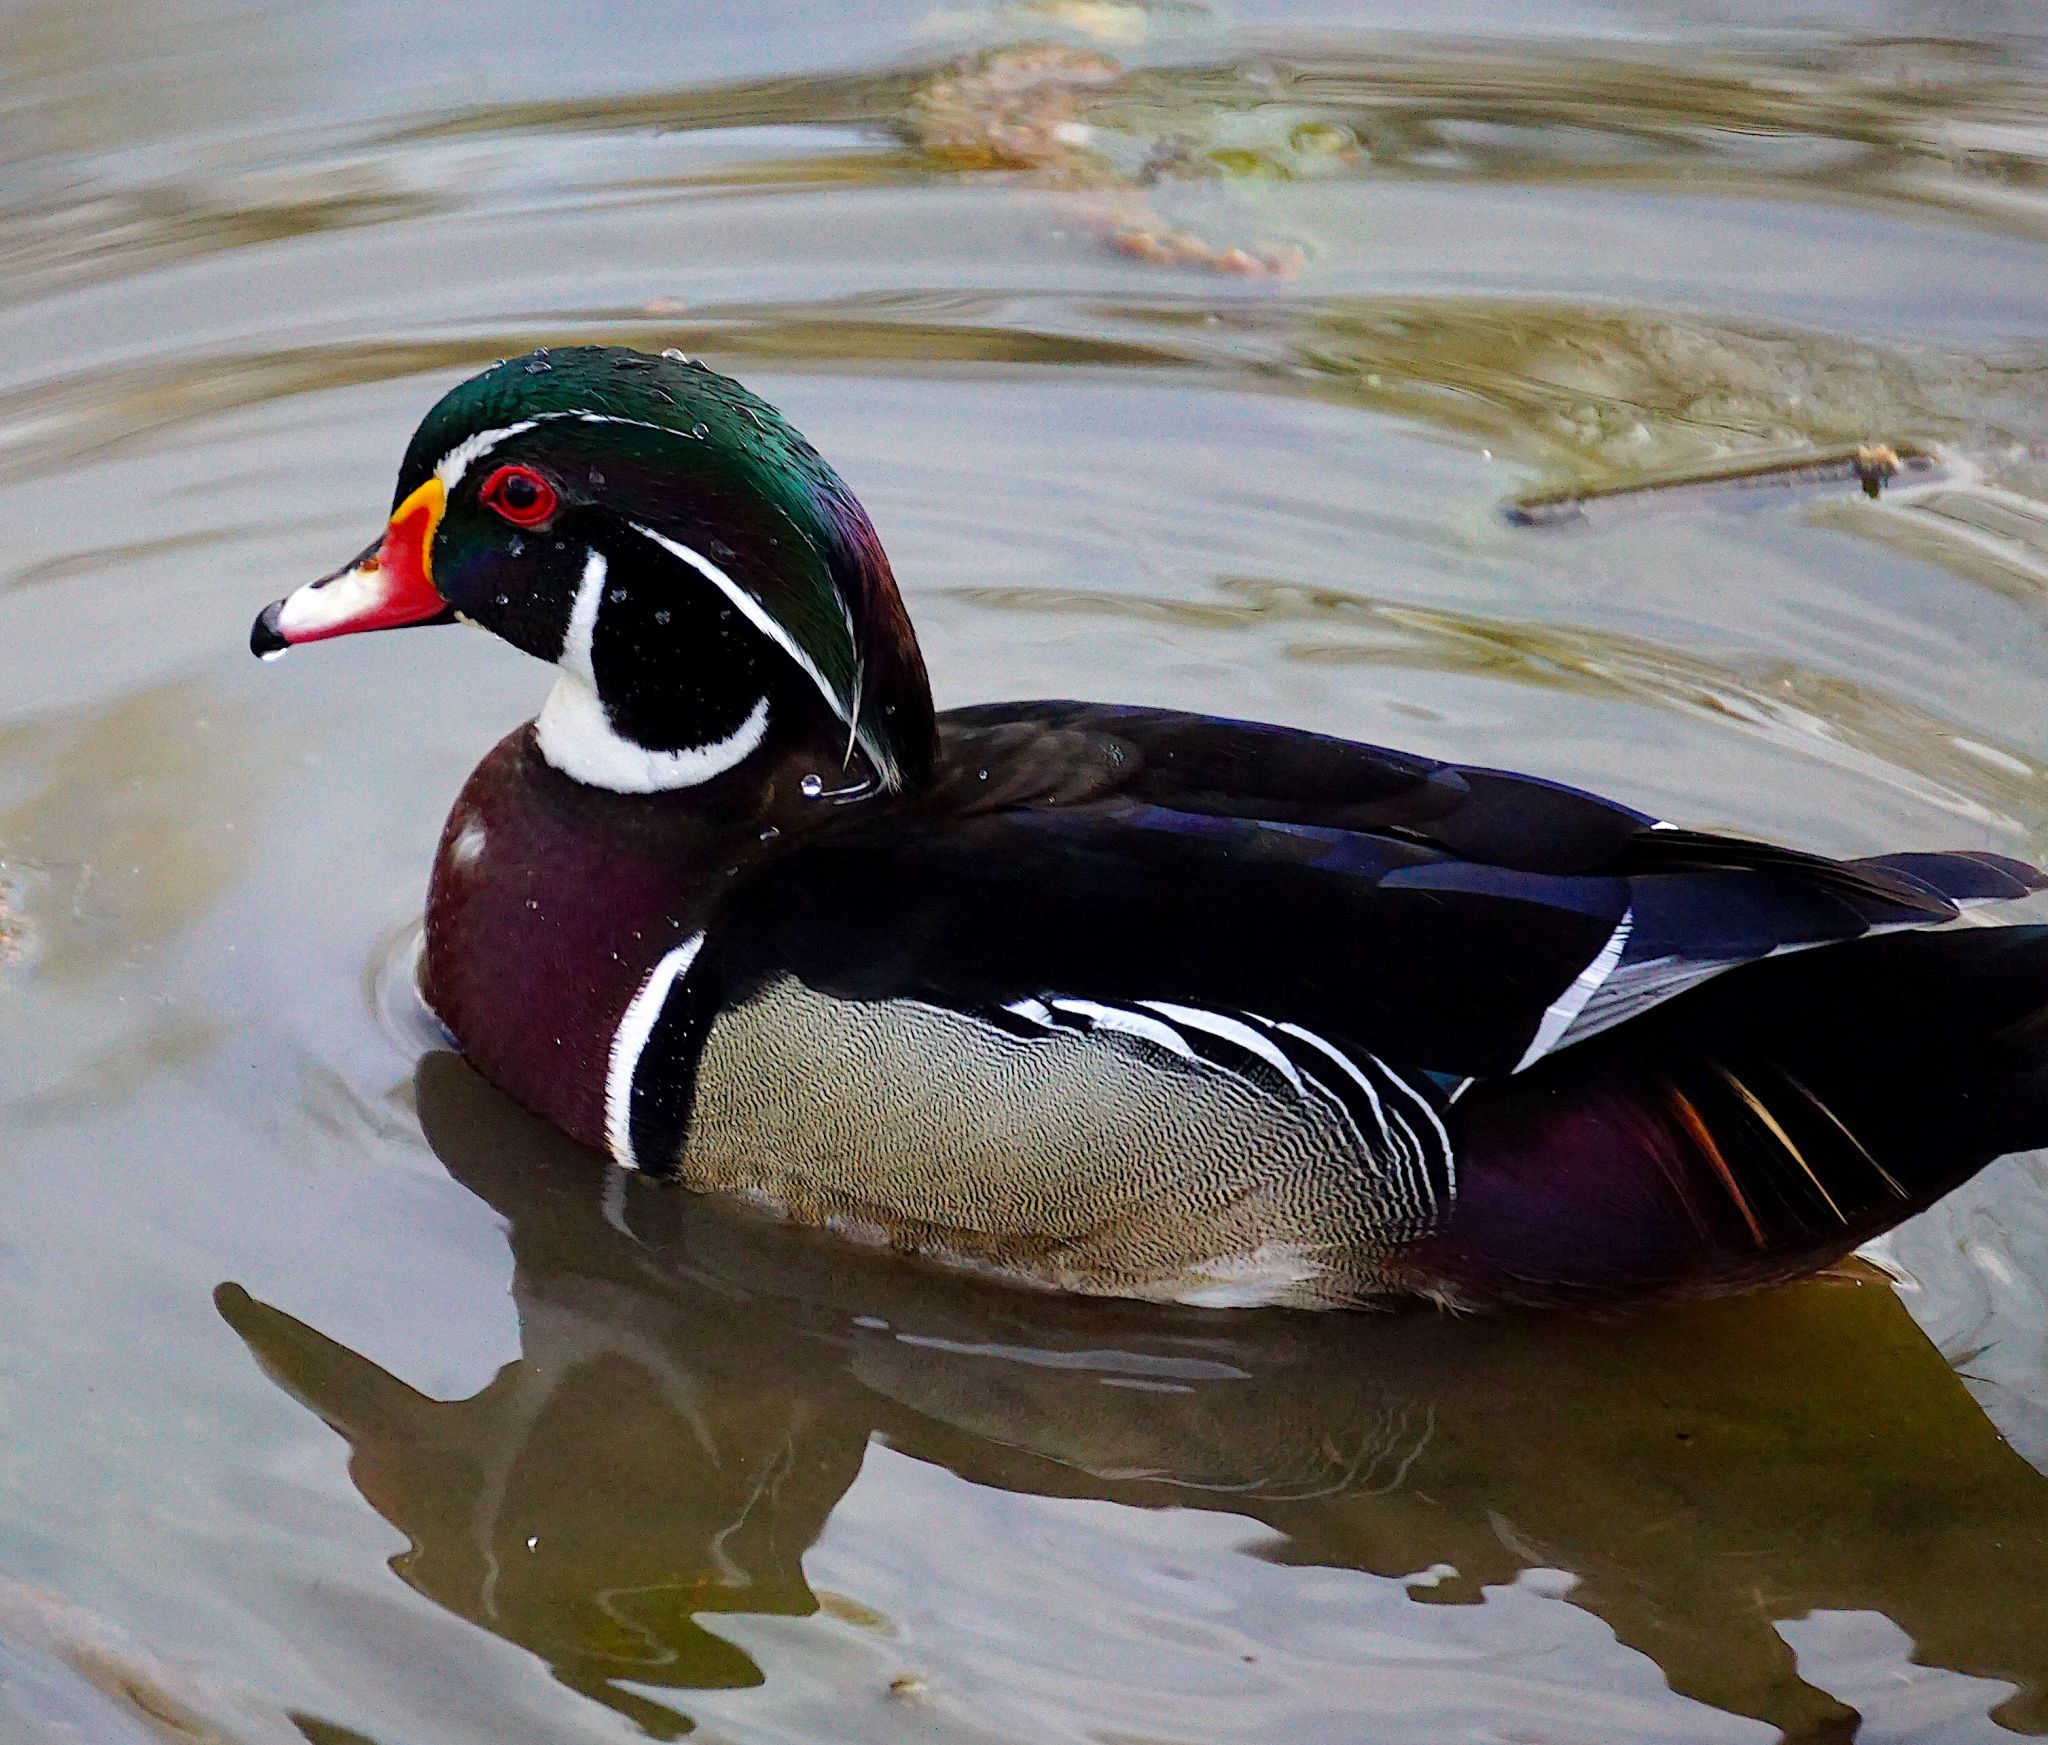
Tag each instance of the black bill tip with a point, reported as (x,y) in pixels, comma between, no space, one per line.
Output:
(266,641)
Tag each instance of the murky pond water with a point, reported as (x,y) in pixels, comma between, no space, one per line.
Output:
(1180,357)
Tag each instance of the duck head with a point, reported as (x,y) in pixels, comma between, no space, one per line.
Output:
(706,585)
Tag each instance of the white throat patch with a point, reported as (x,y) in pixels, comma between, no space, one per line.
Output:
(577,737)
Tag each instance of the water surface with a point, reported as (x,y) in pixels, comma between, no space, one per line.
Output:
(1182,357)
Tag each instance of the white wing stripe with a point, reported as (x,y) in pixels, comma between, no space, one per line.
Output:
(1130,1023)
(1558,1017)
(1406,1153)
(1430,1115)
(1233,1030)
(1407,1164)
(1350,1067)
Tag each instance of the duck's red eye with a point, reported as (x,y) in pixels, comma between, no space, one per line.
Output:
(521,495)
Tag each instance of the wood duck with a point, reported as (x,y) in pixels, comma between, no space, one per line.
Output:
(1114,999)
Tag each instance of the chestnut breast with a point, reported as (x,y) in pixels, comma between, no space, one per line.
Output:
(550,902)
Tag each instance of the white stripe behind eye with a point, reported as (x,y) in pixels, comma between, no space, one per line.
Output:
(451,467)
(459,459)
(629,1042)
(752,610)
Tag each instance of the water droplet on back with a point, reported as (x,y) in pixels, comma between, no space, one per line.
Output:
(812,786)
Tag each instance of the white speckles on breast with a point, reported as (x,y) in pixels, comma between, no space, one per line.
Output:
(468,847)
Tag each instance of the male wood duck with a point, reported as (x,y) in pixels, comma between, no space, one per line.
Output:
(1115,999)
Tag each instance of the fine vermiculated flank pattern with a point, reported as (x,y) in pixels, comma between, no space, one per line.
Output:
(1124,1081)
(1089,1155)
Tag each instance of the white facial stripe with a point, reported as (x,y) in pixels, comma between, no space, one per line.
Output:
(629,1042)
(752,610)
(576,640)
(458,460)
(450,468)
(322,605)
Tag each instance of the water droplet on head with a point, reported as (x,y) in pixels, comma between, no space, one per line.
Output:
(674,354)
(662,617)
(700,431)
(538,366)
(616,596)
(812,786)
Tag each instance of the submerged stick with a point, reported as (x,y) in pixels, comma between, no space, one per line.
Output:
(1871,466)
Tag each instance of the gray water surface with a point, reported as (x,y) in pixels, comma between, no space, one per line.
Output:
(1181,357)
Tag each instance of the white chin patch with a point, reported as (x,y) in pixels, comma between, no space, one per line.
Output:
(577,737)
(579,740)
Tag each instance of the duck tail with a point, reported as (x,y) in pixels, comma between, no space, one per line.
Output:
(1752,1130)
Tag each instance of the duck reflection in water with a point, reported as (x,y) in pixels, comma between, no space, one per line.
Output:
(696,1389)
